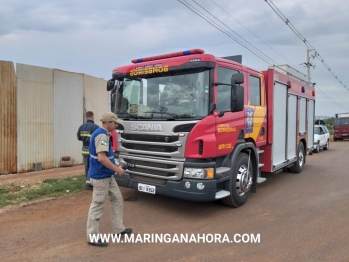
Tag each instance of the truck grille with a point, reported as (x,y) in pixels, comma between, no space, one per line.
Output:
(153,148)
(152,145)
(154,168)
(149,138)
(140,163)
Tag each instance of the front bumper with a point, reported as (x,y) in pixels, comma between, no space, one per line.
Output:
(177,189)
(344,136)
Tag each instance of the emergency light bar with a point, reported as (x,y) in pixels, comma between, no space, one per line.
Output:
(182,53)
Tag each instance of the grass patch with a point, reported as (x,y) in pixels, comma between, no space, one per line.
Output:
(13,194)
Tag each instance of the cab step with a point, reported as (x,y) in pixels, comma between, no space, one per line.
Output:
(261,180)
(221,170)
(222,194)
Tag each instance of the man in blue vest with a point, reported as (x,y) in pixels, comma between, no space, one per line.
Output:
(84,133)
(102,169)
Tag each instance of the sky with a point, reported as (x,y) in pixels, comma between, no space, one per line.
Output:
(93,37)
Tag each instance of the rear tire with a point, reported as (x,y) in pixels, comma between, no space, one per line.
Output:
(240,183)
(298,165)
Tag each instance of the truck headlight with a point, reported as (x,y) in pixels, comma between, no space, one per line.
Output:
(200,173)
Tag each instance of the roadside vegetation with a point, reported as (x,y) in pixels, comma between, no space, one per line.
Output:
(329,124)
(13,194)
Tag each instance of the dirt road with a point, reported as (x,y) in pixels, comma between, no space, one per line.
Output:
(300,217)
(31,177)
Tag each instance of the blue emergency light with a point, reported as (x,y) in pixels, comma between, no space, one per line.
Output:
(164,56)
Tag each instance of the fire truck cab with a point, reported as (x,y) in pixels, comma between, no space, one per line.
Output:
(201,128)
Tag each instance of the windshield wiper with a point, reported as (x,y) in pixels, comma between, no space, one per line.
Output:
(130,115)
(162,112)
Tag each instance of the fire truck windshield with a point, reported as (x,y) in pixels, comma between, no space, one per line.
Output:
(166,97)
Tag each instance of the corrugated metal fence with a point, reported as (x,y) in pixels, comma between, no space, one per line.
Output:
(96,98)
(35,117)
(51,104)
(67,112)
(8,118)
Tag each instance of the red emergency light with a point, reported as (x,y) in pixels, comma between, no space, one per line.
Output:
(176,54)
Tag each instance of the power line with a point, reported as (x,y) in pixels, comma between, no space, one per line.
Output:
(197,12)
(214,24)
(304,40)
(244,40)
(252,33)
(317,88)
(240,41)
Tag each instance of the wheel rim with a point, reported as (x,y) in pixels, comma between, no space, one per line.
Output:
(243,180)
(300,158)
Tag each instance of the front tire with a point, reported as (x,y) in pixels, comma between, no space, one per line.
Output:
(317,148)
(327,145)
(298,165)
(240,183)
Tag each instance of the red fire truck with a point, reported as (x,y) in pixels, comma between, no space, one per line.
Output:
(201,128)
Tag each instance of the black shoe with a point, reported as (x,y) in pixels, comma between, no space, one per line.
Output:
(126,231)
(88,186)
(99,243)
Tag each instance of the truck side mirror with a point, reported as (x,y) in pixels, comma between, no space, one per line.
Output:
(112,101)
(237,93)
(237,101)
(237,79)
(110,84)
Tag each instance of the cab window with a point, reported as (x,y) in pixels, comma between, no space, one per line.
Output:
(255,91)
(224,91)
(316,130)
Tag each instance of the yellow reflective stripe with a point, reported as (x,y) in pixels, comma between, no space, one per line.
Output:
(85,152)
(88,135)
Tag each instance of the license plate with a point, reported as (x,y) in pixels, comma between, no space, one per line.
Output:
(146,188)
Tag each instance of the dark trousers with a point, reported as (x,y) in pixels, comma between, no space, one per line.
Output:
(87,165)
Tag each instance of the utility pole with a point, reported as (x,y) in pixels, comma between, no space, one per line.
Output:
(308,65)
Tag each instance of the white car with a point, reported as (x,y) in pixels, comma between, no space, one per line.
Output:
(321,138)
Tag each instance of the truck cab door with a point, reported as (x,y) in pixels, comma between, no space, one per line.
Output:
(229,123)
(256,112)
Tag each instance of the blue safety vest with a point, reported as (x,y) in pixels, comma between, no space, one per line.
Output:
(97,170)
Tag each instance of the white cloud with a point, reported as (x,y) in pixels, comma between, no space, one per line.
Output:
(93,37)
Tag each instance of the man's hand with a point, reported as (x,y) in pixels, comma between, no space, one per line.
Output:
(105,161)
(119,171)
